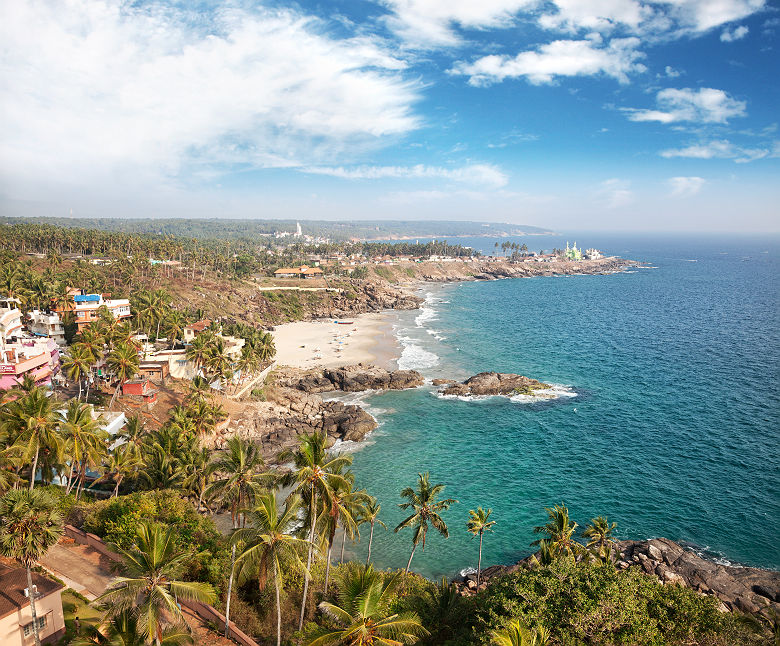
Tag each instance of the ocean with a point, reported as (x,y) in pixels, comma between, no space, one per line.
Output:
(667,420)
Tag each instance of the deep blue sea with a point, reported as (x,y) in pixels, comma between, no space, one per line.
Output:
(670,423)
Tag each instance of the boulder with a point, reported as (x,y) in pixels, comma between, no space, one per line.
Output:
(495,383)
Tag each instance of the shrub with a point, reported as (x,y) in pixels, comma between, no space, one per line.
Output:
(597,604)
(115,520)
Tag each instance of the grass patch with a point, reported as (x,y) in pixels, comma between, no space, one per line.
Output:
(75,605)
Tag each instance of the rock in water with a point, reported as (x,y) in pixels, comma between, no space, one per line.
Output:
(495,383)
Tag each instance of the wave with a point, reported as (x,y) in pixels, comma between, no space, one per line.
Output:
(413,357)
(557,391)
(468,570)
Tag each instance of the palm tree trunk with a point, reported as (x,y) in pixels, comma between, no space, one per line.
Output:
(343,540)
(113,398)
(86,398)
(79,397)
(409,564)
(327,567)
(370,539)
(278,608)
(230,590)
(116,489)
(82,473)
(70,482)
(32,607)
(34,467)
(479,562)
(308,560)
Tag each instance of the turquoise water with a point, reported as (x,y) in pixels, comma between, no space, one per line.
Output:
(673,429)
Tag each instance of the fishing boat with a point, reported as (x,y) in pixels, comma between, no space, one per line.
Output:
(345,322)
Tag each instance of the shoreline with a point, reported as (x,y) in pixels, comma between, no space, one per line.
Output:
(323,343)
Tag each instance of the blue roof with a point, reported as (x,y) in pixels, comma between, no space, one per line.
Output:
(87,298)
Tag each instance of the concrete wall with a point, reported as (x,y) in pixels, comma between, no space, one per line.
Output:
(203,610)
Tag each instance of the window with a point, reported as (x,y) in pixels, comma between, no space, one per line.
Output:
(28,629)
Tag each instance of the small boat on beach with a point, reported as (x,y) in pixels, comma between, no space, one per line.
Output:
(345,322)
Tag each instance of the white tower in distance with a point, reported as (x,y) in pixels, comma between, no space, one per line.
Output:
(298,232)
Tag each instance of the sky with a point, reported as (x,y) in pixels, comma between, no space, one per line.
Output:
(589,114)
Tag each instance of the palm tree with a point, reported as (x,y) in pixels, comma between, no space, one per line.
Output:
(150,587)
(371,515)
(124,363)
(199,390)
(560,530)
(426,510)
(315,476)
(268,547)
(133,434)
(85,441)
(363,615)
(478,524)
(518,634)
(122,630)
(200,470)
(241,480)
(600,532)
(198,351)
(121,462)
(77,363)
(31,420)
(30,523)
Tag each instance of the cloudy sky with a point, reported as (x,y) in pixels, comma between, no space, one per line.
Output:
(587,114)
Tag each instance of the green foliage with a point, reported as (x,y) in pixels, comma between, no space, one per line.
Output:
(116,521)
(598,604)
(384,272)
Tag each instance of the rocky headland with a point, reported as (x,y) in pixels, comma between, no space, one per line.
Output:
(742,589)
(349,379)
(492,384)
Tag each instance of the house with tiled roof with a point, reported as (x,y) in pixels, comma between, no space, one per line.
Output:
(16,627)
(304,271)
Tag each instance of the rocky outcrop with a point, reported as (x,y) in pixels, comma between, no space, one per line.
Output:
(493,383)
(739,588)
(276,425)
(742,589)
(352,379)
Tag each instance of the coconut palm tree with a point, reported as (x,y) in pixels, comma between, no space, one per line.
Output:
(315,476)
(133,434)
(370,515)
(122,630)
(199,470)
(124,363)
(32,422)
(478,524)
(150,586)
(30,523)
(240,479)
(363,614)
(518,634)
(77,364)
(600,533)
(85,441)
(426,510)
(268,547)
(120,462)
(560,531)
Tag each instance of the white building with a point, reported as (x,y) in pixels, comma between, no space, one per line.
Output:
(47,325)
(10,320)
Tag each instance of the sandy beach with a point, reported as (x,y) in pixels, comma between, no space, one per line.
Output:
(309,344)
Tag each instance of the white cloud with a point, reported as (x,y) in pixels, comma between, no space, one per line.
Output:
(426,24)
(671,72)
(476,174)
(724,149)
(599,15)
(705,105)
(685,186)
(735,34)
(614,193)
(559,58)
(702,15)
(100,87)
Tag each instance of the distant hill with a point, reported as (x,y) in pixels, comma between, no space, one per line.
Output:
(233,229)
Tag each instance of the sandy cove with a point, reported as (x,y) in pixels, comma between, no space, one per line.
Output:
(325,343)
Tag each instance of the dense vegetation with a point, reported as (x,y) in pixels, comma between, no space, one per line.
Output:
(248,229)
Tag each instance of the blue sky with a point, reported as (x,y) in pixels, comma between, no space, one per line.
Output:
(586,114)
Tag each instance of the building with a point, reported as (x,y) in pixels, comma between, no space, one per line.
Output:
(46,324)
(85,307)
(304,271)
(593,254)
(191,331)
(10,320)
(572,253)
(15,615)
(140,388)
(38,358)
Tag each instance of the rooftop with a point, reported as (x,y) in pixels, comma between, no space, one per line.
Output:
(13,582)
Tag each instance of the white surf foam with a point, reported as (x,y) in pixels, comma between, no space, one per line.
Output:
(413,357)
